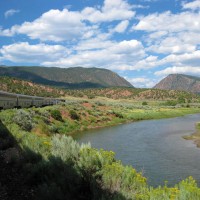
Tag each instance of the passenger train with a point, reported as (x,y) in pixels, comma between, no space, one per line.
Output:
(11,100)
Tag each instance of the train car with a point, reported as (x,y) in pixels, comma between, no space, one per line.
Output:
(24,101)
(10,100)
(7,100)
(38,101)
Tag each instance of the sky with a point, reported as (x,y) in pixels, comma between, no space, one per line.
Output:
(141,40)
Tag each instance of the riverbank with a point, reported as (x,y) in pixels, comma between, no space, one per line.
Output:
(195,136)
(76,116)
(57,167)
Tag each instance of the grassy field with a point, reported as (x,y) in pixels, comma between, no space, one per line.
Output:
(59,168)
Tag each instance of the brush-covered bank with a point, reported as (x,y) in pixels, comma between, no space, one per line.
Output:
(195,136)
(55,166)
(73,116)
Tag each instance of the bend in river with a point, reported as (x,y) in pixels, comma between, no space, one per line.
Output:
(155,147)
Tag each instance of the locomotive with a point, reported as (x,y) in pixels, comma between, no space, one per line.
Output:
(11,100)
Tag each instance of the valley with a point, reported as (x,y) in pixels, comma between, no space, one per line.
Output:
(43,146)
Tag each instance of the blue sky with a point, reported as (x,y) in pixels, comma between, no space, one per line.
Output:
(142,40)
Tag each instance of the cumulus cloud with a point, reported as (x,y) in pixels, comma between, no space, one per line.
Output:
(61,25)
(10,12)
(54,25)
(121,27)
(179,70)
(110,11)
(168,21)
(142,82)
(194,5)
(191,59)
(120,56)
(24,52)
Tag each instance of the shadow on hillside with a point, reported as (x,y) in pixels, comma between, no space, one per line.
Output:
(24,75)
(26,175)
(12,179)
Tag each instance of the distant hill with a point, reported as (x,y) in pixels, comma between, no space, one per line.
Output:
(18,86)
(136,94)
(15,85)
(180,82)
(77,77)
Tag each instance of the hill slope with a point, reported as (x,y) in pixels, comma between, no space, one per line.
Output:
(77,77)
(136,94)
(18,86)
(180,82)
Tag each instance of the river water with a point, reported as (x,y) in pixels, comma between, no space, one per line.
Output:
(155,147)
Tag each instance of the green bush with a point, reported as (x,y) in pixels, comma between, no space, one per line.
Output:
(56,115)
(170,103)
(74,115)
(144,103)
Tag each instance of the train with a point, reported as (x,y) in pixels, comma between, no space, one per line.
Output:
(11,100)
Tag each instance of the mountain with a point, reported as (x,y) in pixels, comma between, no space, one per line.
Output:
(180,82)
(77,77)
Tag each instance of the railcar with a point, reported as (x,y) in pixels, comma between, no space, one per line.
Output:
(10,100)
(7,100)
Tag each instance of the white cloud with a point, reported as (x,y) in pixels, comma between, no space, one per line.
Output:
(179,70)
(146,63)
(121,27)
(54,25)
(120,56)
(142,82)
(169,33)
(172,45)
(110,11)
(169,22)
(24,52)
(66,25)
(190,59)
(194,5)
(10,12)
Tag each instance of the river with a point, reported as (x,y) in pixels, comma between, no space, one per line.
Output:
(154,147)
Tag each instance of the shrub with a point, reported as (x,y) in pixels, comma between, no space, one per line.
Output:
(91,96)
(144,103)
(181,100)
(119,115)
(170,103)
(24,120)
(74,115)
(65,147)
(56,115)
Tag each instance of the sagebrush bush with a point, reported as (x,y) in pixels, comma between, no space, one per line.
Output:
(24,120)
(65,148)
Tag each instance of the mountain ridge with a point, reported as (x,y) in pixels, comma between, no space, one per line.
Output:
(76,77)
(182,82)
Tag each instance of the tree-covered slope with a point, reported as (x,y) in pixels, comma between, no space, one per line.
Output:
(18,86)
(136,94)
(77,77)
